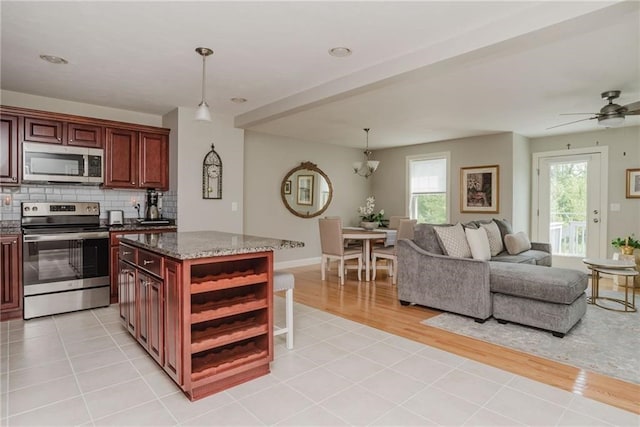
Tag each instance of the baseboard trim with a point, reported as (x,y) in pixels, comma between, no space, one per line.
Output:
(296,263)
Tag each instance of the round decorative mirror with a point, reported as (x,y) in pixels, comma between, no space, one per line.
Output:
(306,190)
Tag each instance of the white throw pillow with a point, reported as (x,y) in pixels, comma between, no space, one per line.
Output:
(453,241)
(494,236)
(478,243)
(517,243)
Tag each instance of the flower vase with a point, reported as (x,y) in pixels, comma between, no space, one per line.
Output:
(369,225)
(626,250)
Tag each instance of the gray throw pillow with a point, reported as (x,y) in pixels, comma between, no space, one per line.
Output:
(504,225)
(453,241)
(517,243)
(495,237)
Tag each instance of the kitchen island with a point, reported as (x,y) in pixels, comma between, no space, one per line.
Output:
(201,304)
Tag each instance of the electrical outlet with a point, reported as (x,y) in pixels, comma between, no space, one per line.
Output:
(615,207)
(234,206)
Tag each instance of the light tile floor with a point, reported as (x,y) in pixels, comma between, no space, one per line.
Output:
(84,369)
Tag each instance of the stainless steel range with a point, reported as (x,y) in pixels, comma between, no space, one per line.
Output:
(65,258)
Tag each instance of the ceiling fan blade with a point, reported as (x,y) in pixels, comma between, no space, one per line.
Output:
(632,109)
(575,114)
(575,121)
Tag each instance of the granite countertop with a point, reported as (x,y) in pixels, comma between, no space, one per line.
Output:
(132,227)
(10,227)
(204,244)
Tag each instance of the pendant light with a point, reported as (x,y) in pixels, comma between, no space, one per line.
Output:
(368,167)
(203,113)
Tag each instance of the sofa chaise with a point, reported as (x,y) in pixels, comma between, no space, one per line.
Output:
(521,288)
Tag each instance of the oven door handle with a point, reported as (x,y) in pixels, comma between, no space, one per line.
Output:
(65,236)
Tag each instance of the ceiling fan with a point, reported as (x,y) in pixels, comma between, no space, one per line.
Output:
(609,115)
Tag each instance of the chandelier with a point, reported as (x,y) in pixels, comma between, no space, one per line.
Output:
(368,167)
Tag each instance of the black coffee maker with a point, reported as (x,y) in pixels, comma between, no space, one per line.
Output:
(152,208)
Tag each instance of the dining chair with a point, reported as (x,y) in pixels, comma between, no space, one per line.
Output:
(390,253)
(394,221)
(332,245)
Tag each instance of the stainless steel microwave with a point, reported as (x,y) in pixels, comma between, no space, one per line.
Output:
(62,163)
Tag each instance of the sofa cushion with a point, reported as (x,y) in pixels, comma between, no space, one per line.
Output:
(515,259)
(552,284)
(504,226)
(453,241)
(541,257)
(425,237)
(478,243)
(517,243)
(531,256)
(495,238)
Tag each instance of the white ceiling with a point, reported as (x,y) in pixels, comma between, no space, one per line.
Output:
(420,71)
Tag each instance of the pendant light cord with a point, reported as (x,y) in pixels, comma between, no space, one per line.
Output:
(204,59)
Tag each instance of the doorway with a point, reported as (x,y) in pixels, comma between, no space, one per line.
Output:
(569,204)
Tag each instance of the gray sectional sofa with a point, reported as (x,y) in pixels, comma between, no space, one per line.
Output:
(521,288)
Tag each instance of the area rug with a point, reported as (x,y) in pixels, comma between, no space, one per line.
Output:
(604,341)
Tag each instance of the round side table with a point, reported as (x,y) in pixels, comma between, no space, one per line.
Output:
(625,268)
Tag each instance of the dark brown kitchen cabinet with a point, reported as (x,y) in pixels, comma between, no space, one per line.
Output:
(85,135)
(172,321)
(114,241)
(121,155)
(151,315)
(9,153)
(217,316)
(127,282)
(136,156)
(50,131)
(136,159)
(43,130)
(142,298)
(153,164)
(10,277)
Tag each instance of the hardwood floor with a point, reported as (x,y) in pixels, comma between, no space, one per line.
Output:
(376,304)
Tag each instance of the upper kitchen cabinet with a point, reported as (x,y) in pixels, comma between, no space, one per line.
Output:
(121,158)
(9,154)
(153,161)
(50,131)
(136,156)
(85,135)
(136,159)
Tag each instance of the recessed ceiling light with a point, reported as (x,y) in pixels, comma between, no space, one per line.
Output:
(339,52)
(54,59)
(238,100)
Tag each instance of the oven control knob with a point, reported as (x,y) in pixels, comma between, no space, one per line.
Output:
(35,208)
(27,208)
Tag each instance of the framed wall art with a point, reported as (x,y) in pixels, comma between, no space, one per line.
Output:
(305,190)
(633,183)
(287,187)
(479,189)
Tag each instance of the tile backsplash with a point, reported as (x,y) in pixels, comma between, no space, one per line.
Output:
(109,199)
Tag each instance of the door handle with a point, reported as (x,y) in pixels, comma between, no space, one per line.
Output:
(596,220)
(595,212)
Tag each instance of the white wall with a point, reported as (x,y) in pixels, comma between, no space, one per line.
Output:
(268,159)
(624,153)
(24,100)
(521,184)
(189,144)
(389,182)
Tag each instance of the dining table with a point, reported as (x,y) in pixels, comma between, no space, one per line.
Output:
(359,233)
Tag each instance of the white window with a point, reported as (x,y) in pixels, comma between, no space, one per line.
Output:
(428,182)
